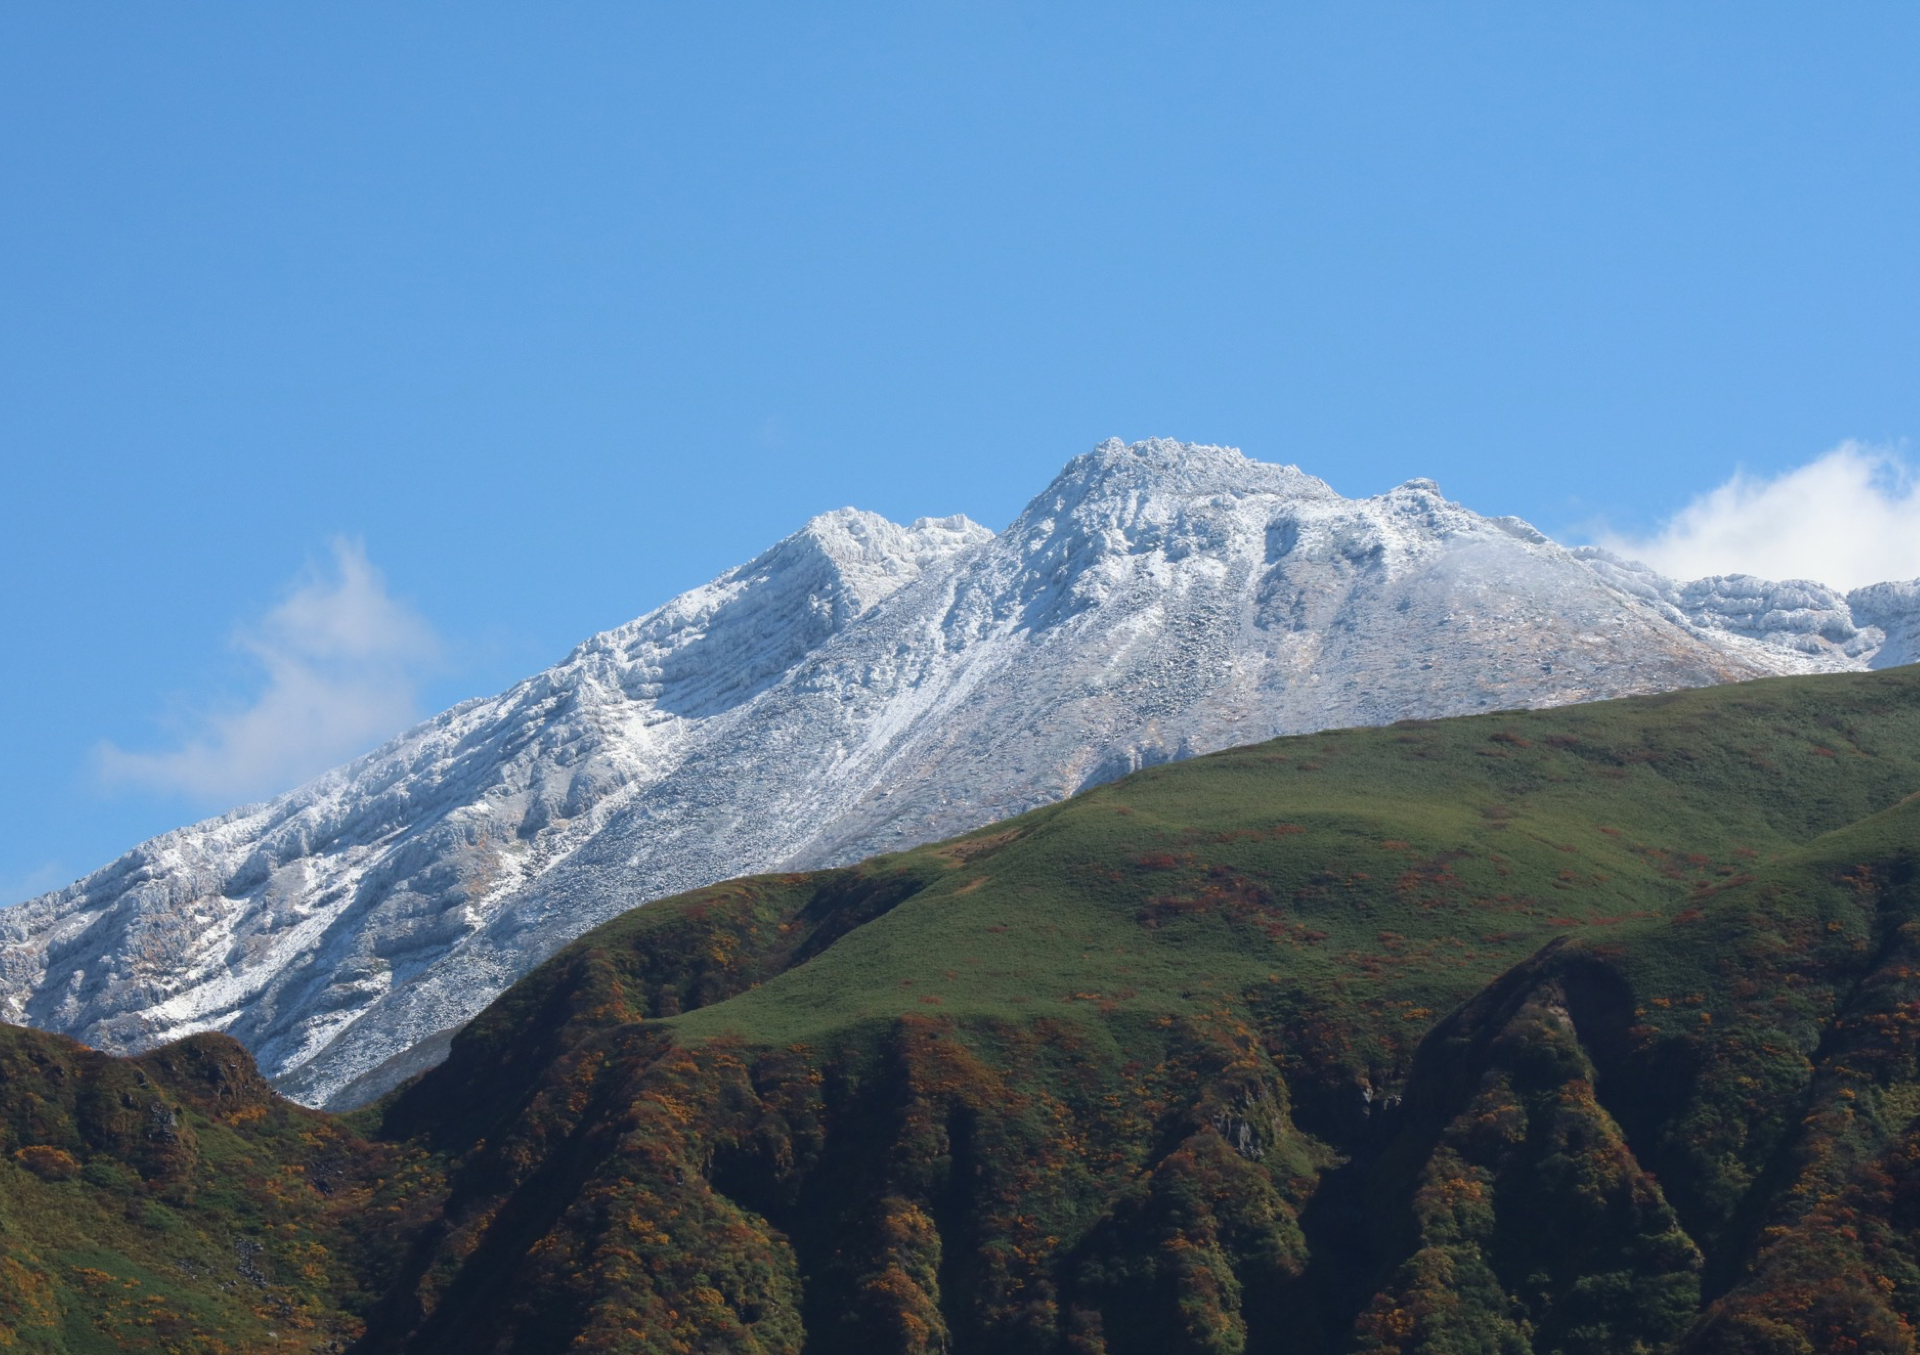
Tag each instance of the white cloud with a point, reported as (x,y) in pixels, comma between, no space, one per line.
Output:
(1849,518)
(341,660)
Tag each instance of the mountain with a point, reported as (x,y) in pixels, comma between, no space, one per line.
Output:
(863,687)
(1586,1030)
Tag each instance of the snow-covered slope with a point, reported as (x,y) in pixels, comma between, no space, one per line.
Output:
(860,687)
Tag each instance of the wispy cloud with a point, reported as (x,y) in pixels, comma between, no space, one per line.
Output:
(1850,517)
(341,661)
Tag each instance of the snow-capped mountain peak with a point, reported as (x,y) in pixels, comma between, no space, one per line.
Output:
(861,686)
(718,644)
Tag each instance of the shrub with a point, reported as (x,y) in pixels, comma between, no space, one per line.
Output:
(49,1164)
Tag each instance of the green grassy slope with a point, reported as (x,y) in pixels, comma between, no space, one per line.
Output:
(1576,1030)
(174,1202)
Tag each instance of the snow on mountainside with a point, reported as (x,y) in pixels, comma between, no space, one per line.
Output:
(860,687)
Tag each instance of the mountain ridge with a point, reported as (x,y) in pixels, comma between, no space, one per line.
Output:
(863,686)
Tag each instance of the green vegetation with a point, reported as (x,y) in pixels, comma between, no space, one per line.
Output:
(1586,1030)
(175,1203)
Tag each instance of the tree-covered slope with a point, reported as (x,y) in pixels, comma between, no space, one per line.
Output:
(1578,1030)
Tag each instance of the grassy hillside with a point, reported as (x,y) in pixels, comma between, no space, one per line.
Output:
(1576,1030)
(174,1203)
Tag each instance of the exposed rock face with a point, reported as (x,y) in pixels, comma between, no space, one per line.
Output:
(864,686)
(1799,614)
(1894,610)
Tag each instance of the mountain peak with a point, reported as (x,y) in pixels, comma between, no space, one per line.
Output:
(1170,464)
(720,644)
(1117,484)
(860,686)
(871,555)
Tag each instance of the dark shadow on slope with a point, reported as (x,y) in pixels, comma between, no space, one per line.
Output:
(847,902)
(829,1193)
(1360,1223)
(471,1312)
(1730,1263)
(955,1211)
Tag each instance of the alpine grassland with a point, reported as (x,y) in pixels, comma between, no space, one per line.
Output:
(1581,1030)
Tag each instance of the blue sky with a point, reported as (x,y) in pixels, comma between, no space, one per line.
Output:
(455,333)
